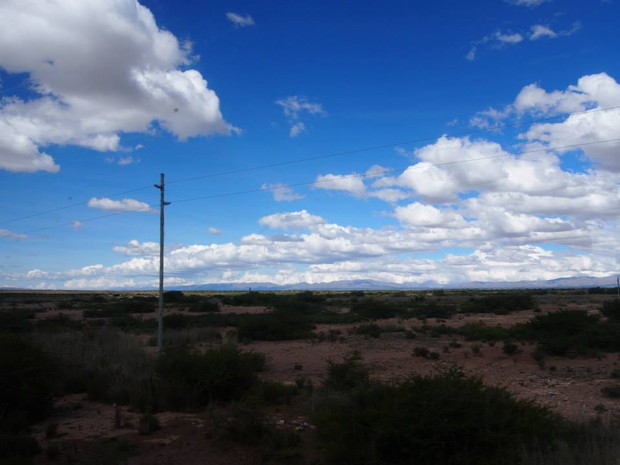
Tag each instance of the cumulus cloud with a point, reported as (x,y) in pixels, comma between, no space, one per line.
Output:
(514,216)
(240,21)
(135,248)
(282,192)
(124,205)
(593,101)
(417,214)
(5,233)
(215,231)
(351,183)
(294,107)
(595,92)
(292,220)
(97,69)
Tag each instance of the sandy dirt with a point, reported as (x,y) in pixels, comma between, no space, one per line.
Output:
(571,387)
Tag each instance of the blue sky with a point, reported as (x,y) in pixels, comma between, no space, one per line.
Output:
(406,142)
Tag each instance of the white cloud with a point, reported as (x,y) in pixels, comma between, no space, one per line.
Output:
(124,205)
(292,220)
(282,192)
(5,233)
(297,128)
(498,39)
(98,69)
(76,225)
(294,108)
(509,38)
(123,161)
(538,31)
(528,3)
(294,105)
(599,93)
(351,183)
(417,214)
(240,21)
(136,249)
(215,231)
(471,55)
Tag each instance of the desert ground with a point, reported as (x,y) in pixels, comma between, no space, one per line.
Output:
(569,385)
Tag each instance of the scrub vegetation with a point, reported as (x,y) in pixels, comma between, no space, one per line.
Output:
(102,346)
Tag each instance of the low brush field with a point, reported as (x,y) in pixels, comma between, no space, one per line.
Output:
(355,377)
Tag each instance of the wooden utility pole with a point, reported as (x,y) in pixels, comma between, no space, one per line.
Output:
(160,317)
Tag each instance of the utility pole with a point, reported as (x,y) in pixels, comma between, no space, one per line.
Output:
(160,318)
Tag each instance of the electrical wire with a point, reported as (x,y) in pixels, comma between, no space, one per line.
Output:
(384,146)
(387,171)
(326,181)
(313,158)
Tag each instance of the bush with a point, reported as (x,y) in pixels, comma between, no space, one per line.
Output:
(370,330)
(421,352)
(510,348)
(482,332)
(376,310)
(448,418)
(148,423)
(27,383)
(190,379)
(611,309)
(110,366)
(275,326)
(273,393)
(571,332)
(205,306)
(347,375)
(500,303)
(611,391)
(245,424)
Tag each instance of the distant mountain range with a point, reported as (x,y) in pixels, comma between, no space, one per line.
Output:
(368,284)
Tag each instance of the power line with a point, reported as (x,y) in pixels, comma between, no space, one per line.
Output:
(313,158)
(346,176)
(72,223)
(384,146)
(67,207)
(374,174)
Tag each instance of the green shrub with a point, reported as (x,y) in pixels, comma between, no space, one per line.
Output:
(611,309)
(500,303)
(273,392)
(204,306)
(510,348)
(611,391)
(110,366)
(421,352)
(571,332)
(448,418)
(17,448)
(369,330)
(27,383)
(346,375)
(190,379)
(482,332)
(376,309)
(245,424)
(148,423)
(275,326)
